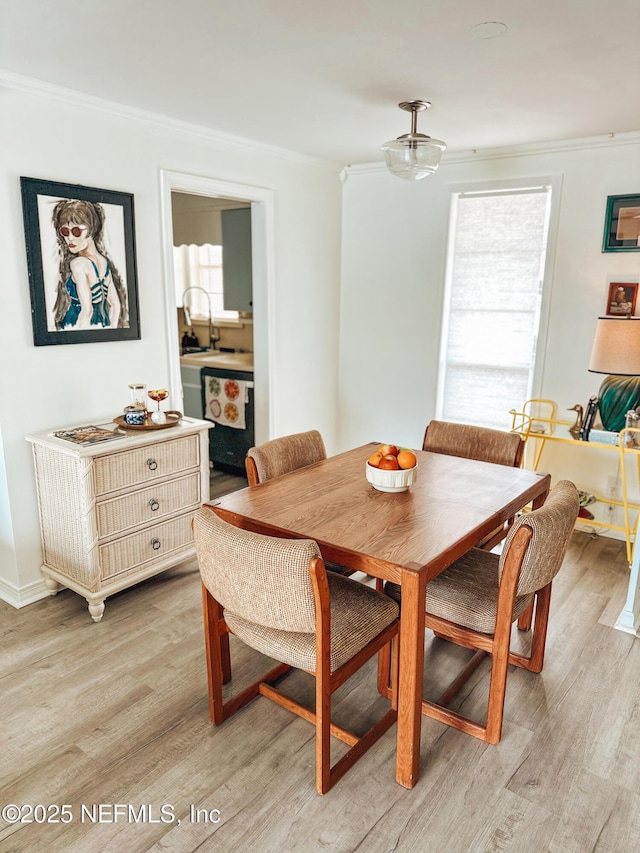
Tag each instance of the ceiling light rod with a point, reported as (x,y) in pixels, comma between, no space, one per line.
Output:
(413,155)
(414,107)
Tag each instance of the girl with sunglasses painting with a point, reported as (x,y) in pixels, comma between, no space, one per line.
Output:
(90,290)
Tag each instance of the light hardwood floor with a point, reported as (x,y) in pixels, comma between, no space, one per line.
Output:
(116,713)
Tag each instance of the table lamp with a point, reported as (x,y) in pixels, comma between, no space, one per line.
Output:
(616,351)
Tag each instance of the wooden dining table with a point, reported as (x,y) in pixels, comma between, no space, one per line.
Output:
(407,537)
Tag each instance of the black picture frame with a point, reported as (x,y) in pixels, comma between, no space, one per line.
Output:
(56,304)
(622,224)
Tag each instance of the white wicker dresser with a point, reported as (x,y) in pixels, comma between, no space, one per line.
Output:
(117,512)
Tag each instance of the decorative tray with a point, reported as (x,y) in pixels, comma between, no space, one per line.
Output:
(173,418)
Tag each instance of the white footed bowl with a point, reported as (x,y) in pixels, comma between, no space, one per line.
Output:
(391,481)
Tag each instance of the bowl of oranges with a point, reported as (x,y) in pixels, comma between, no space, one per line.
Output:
(391,468)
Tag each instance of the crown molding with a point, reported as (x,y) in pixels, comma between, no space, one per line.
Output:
(32,86)
(608,140)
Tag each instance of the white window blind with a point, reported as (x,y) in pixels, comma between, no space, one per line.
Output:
(492,305)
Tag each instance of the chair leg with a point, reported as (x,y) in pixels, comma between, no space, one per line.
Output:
(395,671)
(384,672)
(323,676)
(497,692)
(543,604)
(218,660)
(524,620)
(225,653)
(534,662)
(323,737)
(388,671)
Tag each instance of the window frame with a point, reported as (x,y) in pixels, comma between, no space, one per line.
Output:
(554,182)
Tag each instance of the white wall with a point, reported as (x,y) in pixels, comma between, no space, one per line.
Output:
(51,134)
(394,247)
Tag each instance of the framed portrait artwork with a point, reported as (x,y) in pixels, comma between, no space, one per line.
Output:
(81,260)
(622,224)
(621,299)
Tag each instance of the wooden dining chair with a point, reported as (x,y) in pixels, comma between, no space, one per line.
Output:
(481,443)
(283,455)
(475,602)
(275,596)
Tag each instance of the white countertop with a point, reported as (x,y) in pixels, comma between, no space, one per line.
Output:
(223,360)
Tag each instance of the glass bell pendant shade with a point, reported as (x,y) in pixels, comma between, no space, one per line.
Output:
(413,159)
(414,155)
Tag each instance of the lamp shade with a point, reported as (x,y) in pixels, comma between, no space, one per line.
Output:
(616,346)
(616,351)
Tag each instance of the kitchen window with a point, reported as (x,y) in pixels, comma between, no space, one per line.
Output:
(201,266)
(493,304)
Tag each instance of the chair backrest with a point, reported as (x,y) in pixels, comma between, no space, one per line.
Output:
(263,579)
(474,442)
(551,526)
(282,455)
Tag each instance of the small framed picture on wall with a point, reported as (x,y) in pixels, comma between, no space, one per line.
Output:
(622,224)
(621,299)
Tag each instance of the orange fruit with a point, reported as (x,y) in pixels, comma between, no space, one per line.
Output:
(407,459)
(374,459)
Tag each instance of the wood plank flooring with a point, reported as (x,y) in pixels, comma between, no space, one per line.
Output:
(116,713)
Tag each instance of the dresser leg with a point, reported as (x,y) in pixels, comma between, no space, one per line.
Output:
(53,586)
(96,610)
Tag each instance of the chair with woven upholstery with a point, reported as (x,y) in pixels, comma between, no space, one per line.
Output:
(475,602)
(276,596)
(481,443)
(283,455)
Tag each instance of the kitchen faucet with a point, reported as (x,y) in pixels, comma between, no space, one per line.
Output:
(213,338)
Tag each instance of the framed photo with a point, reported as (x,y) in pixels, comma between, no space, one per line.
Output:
(82,263)
(621,301)
(622,224)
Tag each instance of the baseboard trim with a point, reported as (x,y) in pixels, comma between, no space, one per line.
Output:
(22,596)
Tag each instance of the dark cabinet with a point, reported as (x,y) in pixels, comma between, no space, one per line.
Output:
(237,268)
(228,446)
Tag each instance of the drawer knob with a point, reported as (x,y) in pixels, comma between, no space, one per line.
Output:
(152,464)
(155,544)
(153,503)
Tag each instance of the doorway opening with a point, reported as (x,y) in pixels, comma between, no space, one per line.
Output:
(260,203)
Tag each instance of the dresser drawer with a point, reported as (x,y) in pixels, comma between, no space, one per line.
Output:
(147,505)
(152,543)
(121,470)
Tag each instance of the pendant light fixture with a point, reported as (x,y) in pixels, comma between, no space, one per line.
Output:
(414,155)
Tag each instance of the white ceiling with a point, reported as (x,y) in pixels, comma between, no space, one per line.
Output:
(324,78)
